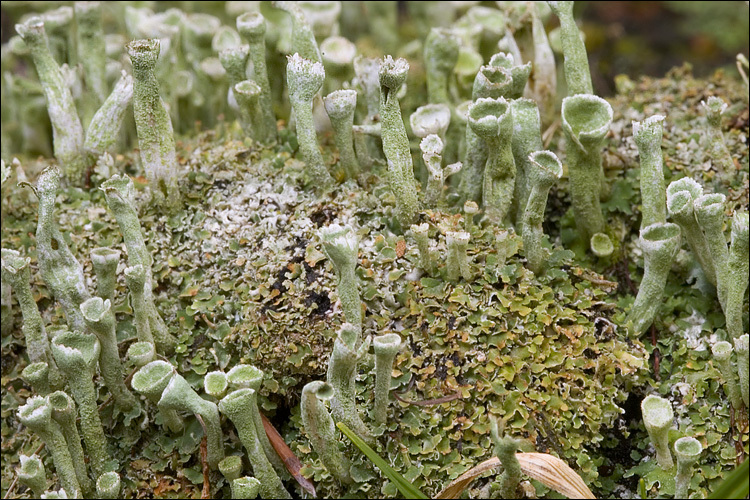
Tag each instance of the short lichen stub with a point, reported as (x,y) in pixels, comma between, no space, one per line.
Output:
(267,242)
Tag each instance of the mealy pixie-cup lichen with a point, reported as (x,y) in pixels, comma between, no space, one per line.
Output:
(32,474)
(647,135)
(722,356)
(340,106)
(386,348)
(151,380)
(341,246)
(321,430)
(544,170)
(36,414)
(687,450)
(64,413)
(657,417)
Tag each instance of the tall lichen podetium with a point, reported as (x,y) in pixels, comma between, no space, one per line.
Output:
(432,149)
(545,170)
(341,245)
(342,375)
(251,377)
(100,320)
(119,193)
(322,431)
(32,474)
(457,263)
(395,142)
(722,355)
(585,120)
(104,261)
(737,275)
(252,26)
(340,106)
(64,413)
(491,120)
(303,38)
(151,380)
(505,450)
(91,50)
(60,270)
(304,79)
(179,395)
(247,94)
(647,135)
(660,243)
(721,158)
(657,417)
(153,125)
(681,196)
(527,139)
(77,355)
(67,131)
(238,407)
(102,131)
(440,56)
(687,450)
(709,212)
(741,345)
(577,73)
(16,271)
(386,348)
(36,414)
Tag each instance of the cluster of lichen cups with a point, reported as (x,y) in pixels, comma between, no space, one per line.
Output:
(503,178)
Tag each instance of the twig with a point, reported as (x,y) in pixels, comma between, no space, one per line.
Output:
(656,353)
(11,487)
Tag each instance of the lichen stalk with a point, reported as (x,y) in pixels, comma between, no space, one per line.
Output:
(527,139)
(340,106)
(341,246)
(687,450)
(135,278)
(37,376)
(576,65)
(100,320)
(36,414)
(245,488)
(238,406)
(304,79)
(91,49)
(77,355)
(231,469)
(432,149)
(32,474)
(104,261)
(322,431)
(119,193)
(342,375)
(303,38)
(743,366)
(505,450)
(179,395)
(722,355)
(681,195)
(586,120)
(16,272)
(545,169)
(60,270)
(67,131)
(721,158)
(426,260)
(386,348)
(545,70)
(151,380)
(440,56)
(657,417)
(737,275)
(247,94)
(153,125)
(491,119)
(660,243)
(709,212)
(647,135)
(102,131)
(395,142)
(457,262)
(64,413)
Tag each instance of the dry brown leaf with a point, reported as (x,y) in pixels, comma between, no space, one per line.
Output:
(548,470)
(291,461)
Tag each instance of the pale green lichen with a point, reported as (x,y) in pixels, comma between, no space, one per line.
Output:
(657,417)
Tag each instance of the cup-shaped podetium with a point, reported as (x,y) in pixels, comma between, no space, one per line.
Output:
(340,106)
(215,384)
(304,79)
(321,430)
(386,348)
(687,450)
(64,413)
(491,119)
(141,353)
(341,245)
(544,170)
(660,243)
(108,485)
(737,275)
(722,353)
(681,195)
(709,212)
(657,417)
(77,355)
(647,135)
(32,474)
(430,119)
(151,380)
(441,49)
(104,261)
(586,120)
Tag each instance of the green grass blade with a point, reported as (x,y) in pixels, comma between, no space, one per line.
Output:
(736,485)
(407,489)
